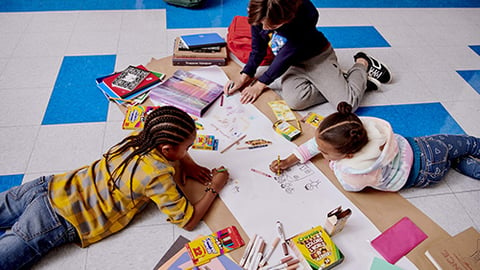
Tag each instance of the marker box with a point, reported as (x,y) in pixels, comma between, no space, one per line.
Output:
(286,129)
(205,248)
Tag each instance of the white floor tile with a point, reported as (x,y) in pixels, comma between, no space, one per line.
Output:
(462,112)
(9,42)
(93,43)
(48,22)
(20,109)
(66,257)
(446,210)
(17,146)
(98,21)
(44,44)
(132,248)
(471,202)
(42,72)
(114,134)
(14,22)
(66,147)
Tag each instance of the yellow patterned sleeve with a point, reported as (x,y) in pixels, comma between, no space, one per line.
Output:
(163,191)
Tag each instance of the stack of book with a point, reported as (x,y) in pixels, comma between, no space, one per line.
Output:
(130,86)
(199,50)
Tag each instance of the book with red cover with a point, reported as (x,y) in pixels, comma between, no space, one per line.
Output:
(124,93)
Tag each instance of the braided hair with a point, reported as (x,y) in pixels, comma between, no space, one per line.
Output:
(164,125)
(343,130)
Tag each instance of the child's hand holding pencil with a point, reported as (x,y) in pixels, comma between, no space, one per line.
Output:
(278,165)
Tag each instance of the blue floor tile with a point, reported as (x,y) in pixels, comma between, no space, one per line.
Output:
(475,48)
(415,119)
(55,5)
(8,181)
(75,97)
(472,77)
(354,36)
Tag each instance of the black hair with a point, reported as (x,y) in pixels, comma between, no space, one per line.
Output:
(343,130)
(164,125)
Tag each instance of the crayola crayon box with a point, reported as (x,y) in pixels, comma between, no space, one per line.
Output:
(135,116)
(205,248)
(315,249)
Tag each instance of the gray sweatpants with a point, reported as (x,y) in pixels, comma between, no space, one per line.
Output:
(320,79)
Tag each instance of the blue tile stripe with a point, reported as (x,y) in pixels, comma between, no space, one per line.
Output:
(354,36)
(75,97)
(472,77)
(415,119)
(475,48)
(55,5)
(8,181)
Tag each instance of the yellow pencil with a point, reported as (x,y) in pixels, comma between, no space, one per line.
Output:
(278,165)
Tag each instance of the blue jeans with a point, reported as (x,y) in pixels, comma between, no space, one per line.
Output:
(439,153)
(35,227)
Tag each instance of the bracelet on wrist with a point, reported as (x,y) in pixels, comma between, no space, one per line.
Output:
(211,190)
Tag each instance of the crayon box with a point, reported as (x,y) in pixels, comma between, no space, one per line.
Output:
(205,248)
(315,249)
(135,116)
(287,130)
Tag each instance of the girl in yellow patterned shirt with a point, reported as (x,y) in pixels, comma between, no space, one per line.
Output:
(95,201)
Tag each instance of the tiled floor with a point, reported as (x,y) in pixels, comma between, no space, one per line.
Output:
(53,118)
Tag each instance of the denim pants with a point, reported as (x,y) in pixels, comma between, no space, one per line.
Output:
(34,226)
(439,153)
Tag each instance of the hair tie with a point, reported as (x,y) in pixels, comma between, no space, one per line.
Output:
(339,124)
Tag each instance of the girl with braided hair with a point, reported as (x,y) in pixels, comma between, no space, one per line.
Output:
(95,201)
(364,152)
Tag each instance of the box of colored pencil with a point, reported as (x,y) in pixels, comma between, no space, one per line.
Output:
(205,142)
(205,248)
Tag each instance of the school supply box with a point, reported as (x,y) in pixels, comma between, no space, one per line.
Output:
(205,248)
(315,249)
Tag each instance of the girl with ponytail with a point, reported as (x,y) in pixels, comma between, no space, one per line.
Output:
(364,152)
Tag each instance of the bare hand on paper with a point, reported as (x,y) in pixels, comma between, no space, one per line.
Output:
(237,84)
(220,178)
(190,169)
(252,92)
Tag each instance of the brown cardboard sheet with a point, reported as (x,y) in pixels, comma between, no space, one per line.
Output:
(382,208)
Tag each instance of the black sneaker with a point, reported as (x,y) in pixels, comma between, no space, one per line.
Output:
(372,84)
(376,69)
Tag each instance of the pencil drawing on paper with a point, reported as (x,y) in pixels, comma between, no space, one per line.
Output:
(298,175)
(231,123)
